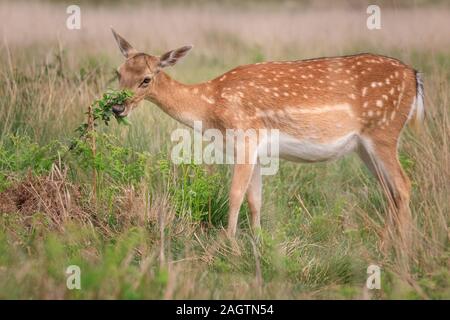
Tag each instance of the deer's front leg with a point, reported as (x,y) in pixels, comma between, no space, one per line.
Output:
(242,174)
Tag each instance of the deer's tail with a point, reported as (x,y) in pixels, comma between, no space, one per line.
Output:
(417,113)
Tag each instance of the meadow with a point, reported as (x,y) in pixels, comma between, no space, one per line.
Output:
(148,229)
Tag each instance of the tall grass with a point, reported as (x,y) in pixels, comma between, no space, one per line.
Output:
(155,230)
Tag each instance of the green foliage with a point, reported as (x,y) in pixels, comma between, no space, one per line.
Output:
(102,109)
(197,193)
(19,155)
(406,161)
(113,161)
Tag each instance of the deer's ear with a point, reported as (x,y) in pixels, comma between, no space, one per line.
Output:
(126,48)
(171,57)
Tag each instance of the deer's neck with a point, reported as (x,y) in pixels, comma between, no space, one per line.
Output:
(185,103)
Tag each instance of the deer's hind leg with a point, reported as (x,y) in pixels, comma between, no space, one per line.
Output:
(382,160)
(254,195)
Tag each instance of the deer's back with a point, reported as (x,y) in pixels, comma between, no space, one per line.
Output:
(361,92)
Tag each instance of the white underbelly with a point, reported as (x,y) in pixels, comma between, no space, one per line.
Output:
(306,150)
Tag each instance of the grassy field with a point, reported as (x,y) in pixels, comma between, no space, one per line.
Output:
(152,229)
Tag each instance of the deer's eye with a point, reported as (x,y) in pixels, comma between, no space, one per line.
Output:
(146,81)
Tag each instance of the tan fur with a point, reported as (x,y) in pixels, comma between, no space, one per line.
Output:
(318,100)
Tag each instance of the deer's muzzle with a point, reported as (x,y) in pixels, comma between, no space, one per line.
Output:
(118,109)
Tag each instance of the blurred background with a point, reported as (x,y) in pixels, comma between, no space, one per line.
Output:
(220,27)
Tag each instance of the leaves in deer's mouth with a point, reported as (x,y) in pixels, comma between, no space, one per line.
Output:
(102,109)
(123,120)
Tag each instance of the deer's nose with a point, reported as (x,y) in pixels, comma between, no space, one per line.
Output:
(118,108)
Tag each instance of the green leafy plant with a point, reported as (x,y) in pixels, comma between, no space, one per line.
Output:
(115,163)
(101,109)
(201,194)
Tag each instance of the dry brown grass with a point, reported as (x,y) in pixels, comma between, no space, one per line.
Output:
(53,195)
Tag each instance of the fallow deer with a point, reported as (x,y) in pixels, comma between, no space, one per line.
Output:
(323,108)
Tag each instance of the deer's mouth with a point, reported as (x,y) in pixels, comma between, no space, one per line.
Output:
(118,110)
(121,111)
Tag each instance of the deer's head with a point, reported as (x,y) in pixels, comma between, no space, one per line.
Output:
(139,73)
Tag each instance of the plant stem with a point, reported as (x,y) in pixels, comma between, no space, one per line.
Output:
(91,131)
